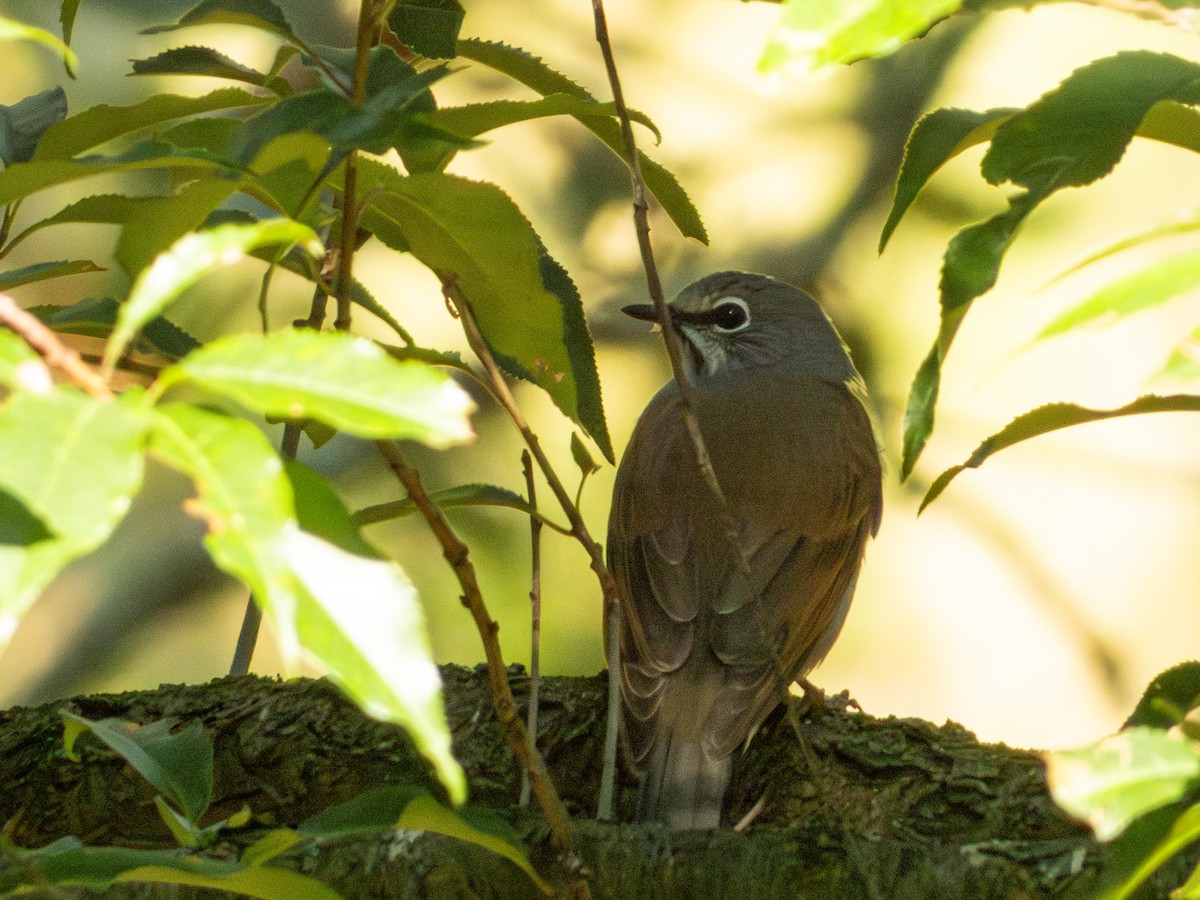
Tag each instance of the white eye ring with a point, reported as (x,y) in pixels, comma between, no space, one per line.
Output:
(725,319)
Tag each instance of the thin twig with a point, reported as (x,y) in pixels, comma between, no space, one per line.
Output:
(579,529)
(53,352)
(457,555)
(368,31)
(247,641)
(641,223)
(535,615)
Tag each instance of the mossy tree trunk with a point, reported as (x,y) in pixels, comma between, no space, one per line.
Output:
(852,806)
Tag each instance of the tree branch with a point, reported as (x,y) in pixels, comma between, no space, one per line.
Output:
(55,354)
(579,529)
(457,555)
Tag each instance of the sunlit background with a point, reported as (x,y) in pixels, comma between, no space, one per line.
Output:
(1031,603)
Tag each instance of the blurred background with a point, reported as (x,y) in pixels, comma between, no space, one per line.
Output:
(1031,603)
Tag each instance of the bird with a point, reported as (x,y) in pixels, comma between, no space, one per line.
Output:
(709,644)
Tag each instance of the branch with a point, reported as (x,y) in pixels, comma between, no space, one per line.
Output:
(456,554)
(53,352)
(641,224)
(366,35)
(535,614)
(579,531)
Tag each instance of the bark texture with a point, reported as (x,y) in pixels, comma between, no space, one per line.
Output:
(852,806)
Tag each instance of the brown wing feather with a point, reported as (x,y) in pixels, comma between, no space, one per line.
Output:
(803,471)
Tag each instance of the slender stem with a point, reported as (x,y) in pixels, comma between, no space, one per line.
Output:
(243,652)
(368,30)
(535,615)
(53,352)
(579,529)
(641,223)
(457,555)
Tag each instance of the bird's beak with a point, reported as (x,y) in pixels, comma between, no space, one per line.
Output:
(644,311)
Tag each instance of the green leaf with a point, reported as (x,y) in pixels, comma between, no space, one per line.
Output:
(1171,229)
(375,647)
(1169,698)
(72,459)
(173,217)
(1184,361)
(16,356)
(1151,286)
(18,526)
(474,235)
(207,62)
(429,27)
(356,616)
(812,35)
(321,512)
(66,15)
(1148,842)
(1052,417)
(22,179)
(1082,127)
(460,496)
(1123,776)
(412,808)
(578,339)
(582,457)
(66,862)
(521,66)
(74,463)
(23,124)
(12,30)
(178,764)
(275,842)
(102,123)
(245,499)
(360,619)
(937,138)
(344,381)
(95,317)
(534,73)
(1070,137)
(474,119)
(261,14)
(376,126)
(189,259)
(44,271)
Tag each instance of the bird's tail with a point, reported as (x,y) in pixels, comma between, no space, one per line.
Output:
(683,786)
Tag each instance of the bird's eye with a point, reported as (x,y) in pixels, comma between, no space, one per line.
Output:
(730,315)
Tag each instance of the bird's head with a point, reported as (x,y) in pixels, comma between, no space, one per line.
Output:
(737,321)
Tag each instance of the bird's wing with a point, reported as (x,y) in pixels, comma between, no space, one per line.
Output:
(802,473)
(804,541)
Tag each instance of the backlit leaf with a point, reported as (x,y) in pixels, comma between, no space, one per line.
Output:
(1053,417)
(44,271)
(812,35)
(12,30)
(412,808)
(534,73)
(1151,286)
(346,382)
(74,463)
(102,123)
(189,259)
(1123,776)
(177,764)
(476,238)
